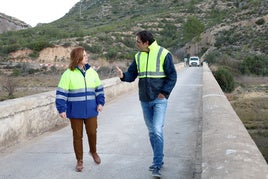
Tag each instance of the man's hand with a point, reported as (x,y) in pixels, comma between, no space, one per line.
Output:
(119,72)
(161,96)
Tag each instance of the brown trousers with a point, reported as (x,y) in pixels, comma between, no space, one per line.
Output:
(91,129)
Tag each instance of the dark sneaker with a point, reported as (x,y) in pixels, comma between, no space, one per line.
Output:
(151,168)
(156,172)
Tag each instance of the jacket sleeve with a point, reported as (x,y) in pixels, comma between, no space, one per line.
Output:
(171,75)
(62,93)
(131,74)
(99,90)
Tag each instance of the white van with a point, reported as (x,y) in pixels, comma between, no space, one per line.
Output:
(194,61)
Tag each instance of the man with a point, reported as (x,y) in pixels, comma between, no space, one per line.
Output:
(154,67)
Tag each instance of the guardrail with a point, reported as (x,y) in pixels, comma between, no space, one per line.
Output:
(228,151)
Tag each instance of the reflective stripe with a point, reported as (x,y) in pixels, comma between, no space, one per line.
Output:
(61,97)
(98,93)
(158,59)
(83,98)
(99,87)
(82,90)
(62,90)
(138,65)
(150,73)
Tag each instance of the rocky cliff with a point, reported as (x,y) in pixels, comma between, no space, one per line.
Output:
(8,23)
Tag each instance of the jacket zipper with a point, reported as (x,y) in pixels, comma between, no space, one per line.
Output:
(146,74)
(84,75)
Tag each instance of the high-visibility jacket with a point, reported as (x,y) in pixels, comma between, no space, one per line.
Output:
(151,65)
(79,93)
(155,70)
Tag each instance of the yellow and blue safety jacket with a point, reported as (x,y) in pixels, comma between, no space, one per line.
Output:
(155,70)
(79,93)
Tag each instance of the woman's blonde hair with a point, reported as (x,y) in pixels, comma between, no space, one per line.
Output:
(77,55)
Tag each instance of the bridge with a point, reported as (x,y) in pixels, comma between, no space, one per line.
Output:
(204,138)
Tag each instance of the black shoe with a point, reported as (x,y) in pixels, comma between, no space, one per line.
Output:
(151,168)
(156,172)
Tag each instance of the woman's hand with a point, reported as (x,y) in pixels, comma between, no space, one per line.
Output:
(99,108)
(63,115)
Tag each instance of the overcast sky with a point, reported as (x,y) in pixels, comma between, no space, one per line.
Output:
(36,11)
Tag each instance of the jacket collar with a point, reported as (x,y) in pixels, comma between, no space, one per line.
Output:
(153,45)
(87,66)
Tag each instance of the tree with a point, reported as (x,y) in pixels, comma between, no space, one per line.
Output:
(9,86)
(192,28)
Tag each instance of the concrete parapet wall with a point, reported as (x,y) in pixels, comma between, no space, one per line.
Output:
(228,151)
(30,116)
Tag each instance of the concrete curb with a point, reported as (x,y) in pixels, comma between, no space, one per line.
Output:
(228,151)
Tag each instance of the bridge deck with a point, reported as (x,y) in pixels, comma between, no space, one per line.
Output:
(123,142)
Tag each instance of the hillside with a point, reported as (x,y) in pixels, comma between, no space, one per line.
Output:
(108,27)
(9,23)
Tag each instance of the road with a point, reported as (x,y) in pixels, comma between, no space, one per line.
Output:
(123,142)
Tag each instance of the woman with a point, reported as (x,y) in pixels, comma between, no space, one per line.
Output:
(80,97)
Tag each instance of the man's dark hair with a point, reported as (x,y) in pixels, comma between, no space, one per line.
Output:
(146,36)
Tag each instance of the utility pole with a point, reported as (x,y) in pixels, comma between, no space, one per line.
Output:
(80,12)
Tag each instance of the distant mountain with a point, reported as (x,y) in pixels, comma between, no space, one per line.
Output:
(227,30)
(8,23)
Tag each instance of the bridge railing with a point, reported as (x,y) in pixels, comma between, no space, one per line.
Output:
(228,151)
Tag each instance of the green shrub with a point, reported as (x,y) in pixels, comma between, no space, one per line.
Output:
(38,45)
(225,79)
(95,49)
(193,27)
(260,21)
(34,55)
(257,65)
(128,42)
(211,57)
(111,55)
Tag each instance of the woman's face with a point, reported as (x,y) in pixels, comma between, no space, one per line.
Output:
(85,59)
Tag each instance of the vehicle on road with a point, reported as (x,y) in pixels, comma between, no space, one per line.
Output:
(194,61)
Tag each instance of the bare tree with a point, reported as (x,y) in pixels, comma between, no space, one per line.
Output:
(9,86)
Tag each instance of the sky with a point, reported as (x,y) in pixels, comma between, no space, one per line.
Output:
(36,11)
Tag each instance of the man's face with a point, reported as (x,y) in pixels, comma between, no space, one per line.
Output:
(142,46)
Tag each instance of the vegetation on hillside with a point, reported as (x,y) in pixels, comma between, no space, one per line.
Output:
(101,23)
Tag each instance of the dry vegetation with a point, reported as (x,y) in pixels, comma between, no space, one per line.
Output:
(28,85)
(251,105)
(24,85)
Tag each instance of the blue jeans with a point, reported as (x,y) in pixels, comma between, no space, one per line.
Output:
(154,116)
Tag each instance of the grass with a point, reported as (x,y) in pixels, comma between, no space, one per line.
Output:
(251,105)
